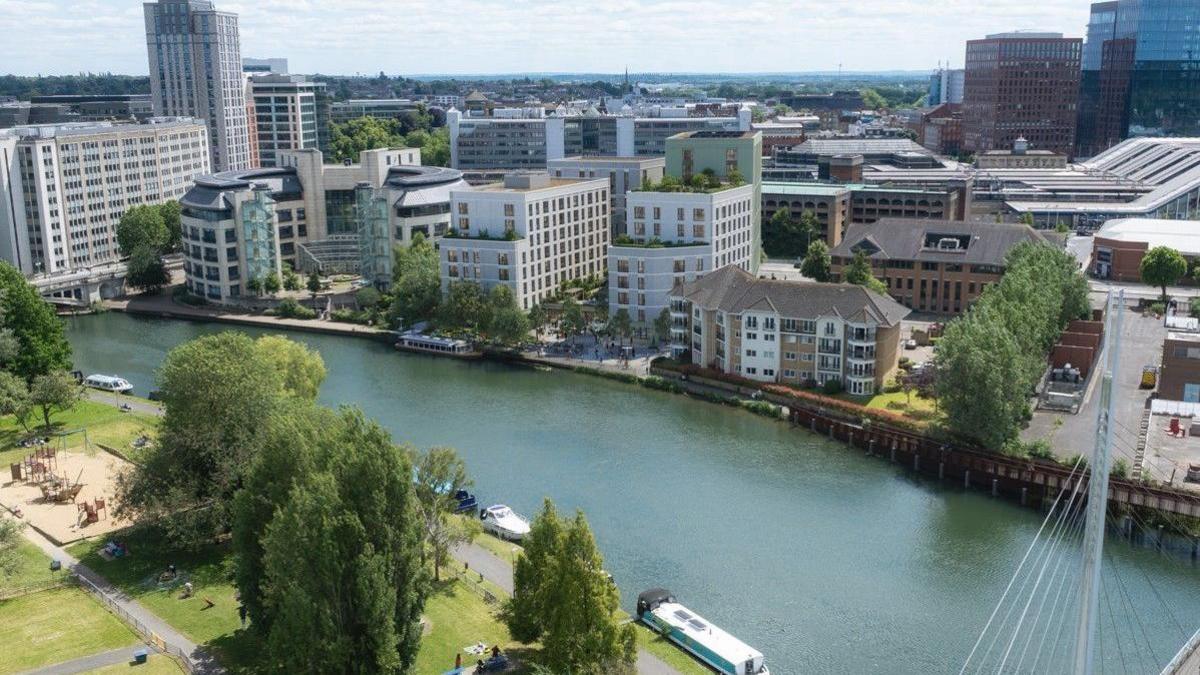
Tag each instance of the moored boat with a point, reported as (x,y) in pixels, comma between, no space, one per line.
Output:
(504,523)
(658,609)
(108,383)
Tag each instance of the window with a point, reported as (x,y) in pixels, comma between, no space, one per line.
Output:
(462,209)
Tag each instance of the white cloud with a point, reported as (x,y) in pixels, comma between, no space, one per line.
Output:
(490,36)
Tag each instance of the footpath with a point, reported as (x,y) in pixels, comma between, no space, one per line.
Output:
(165,307)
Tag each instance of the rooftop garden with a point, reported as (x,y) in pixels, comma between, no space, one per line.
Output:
(484,234)
(629,242)
(706,182)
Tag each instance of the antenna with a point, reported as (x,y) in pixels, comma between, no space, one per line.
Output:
(1097,506)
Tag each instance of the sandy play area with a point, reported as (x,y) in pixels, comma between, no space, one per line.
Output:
(66,522)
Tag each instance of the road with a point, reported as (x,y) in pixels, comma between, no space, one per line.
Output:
(499,572)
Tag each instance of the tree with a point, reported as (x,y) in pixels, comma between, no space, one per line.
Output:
(416,282)
(367,297)
(350,139)
(271,284)
(54,392)
(817,262)
(784,237)
(621,325)
(562,596)
(1162,266)
(302,369)
(217,392)
(146,270)
(439,473)
(873,100)
(10,539)
(14,397)
(291,280)
(509,326)
(254,285)
(341,561)
(662,326)
(537,319)
(141,226)
(572,318)
(30,321)
(859,273)
(465,307)
(172,215)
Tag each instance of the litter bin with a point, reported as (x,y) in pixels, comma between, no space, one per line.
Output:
(141,655)
(15,468)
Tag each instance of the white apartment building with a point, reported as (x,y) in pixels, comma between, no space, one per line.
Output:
(531,233)
(798,333)
(674,238)
(285,114)
(65,187)
(623,173)
(196,71)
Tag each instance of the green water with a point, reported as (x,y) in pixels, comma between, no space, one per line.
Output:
(827,561)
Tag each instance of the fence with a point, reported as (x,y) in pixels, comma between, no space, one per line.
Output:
(142,629)
(474,582)
(35,588)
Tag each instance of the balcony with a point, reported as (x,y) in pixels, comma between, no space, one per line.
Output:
(863,335)
(826,346)
(861,354)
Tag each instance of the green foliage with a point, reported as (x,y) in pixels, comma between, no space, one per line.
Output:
(572,318)
(146,270)
(873,100)
(290,309)
(562,597)
(54,392)
(302,369)
(1120,469)
(537,318)
(143,227)
(416,282)
(348,140)
(859,273)
(785,237)
(10,541)
(30,322)
(662,326)
(291,280)
(817,262)
(438,474)
(314,283)
(832,387)
(1162,266)
(271,284)
(465,307)
(367,297)
(990,359)
(172,215)
(1194,307)
(217,391)
(620,324)
(14,397)
(344,586)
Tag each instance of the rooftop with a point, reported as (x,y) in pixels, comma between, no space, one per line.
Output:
(977,243)
(734,290)
(1182,235)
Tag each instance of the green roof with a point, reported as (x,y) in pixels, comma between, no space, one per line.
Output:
(830,189)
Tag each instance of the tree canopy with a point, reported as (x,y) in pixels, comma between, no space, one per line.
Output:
(817,262)
(1162,266)
(30,323)
(416,282)
(859,273)
(349,139)
(786,237)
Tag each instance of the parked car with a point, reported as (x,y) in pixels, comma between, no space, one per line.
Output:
(910,344)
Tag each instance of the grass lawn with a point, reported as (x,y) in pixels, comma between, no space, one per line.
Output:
(921,409)
(670,654)
(57,625)
(157,664)
(137,575)
(498,547)
(104,423)
(457,617)
(33,569)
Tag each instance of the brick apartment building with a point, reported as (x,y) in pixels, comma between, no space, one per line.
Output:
(933,266)
(1179,379)
(1022,85)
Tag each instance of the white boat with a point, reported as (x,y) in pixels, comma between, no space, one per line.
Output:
(504,523)
(658,609)
(108,383)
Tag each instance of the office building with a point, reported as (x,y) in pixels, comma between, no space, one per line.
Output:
(1020,157)
(797,333)
(68,185)
(889,152)
(285,114)
(1179,379)
(675,236)
(527,138)
(196,71)
(1141,72)
(933,266)
(531,233)
(273,66)
(1021,85)
(946,86)
(1119,246)
(379,108)
(624,174)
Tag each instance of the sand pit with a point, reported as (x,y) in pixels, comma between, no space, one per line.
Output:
(65,523)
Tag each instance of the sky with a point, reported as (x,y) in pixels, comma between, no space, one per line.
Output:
(406,37)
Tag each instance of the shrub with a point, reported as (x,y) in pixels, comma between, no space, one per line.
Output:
(763,408)
(290,309)
(1158,308)
(346,315)
(832,387)
(891,386)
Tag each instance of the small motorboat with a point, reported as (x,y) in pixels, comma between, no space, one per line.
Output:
(504,523)
(108,383)
(466,502)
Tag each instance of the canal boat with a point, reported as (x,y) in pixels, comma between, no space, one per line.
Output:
(108,383)
(504,523)
(658,609)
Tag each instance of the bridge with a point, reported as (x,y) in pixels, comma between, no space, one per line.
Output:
(82,286)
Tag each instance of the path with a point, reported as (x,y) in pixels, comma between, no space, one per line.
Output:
(128,607)
(136,405)
(90,662)
(499,572)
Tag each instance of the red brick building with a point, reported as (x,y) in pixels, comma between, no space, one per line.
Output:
(1021,85)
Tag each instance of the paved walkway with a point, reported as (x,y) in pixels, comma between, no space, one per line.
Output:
(499,572)
(136,405)
(204,661)
(88,663)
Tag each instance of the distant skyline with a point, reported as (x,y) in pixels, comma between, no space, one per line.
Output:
(54,37)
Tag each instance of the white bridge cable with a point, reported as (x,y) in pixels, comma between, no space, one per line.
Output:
(1116,632)
(1057,620)
(1131,615)
(1058,580)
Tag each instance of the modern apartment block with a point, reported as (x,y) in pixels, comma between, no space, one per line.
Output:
(946,86)
(1021,85)
(275,66)
(836,207)
(67,186)
(531,233)
(379,108)
(1141,72)
(933,266)
(676,236)
(285,114)
(309,215)
(624,174)
(798,333)
(196,71)
(528,139)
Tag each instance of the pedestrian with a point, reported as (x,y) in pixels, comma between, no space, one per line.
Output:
(457,661)
(242,614)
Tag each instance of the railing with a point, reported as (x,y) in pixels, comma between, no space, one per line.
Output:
(142,629)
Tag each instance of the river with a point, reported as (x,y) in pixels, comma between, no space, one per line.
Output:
(826,560)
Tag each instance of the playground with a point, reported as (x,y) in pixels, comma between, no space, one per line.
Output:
(63,486)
